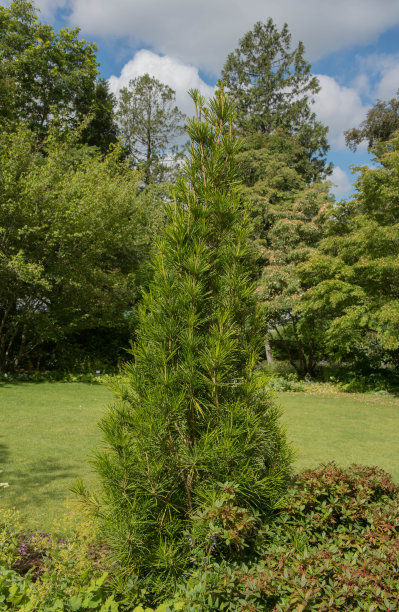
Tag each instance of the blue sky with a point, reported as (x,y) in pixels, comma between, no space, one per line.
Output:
(353,46)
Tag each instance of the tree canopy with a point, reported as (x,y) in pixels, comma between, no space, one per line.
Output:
(72,238)
(352,278)
(273,88)
(379,126)
(309,256)
(46,73)
(287,216)
(150,123)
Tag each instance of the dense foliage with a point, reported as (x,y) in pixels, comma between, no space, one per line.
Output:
(334,547)
(353,276)
(282,166)
(49,84)
(42,572)
(45,73)
(73,237)
(288,218)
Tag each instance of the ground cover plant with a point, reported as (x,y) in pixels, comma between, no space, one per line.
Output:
(334,546)
(40,571)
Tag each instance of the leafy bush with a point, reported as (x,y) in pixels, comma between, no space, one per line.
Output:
(281,376)
(334,547)
(40,572)
(360,379)
(13,589)
(278,369)
(283,384)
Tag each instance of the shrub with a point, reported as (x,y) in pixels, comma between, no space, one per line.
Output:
(40,572)
(334,547)
(352,379)
(10,525)
(281,376)
(280,384)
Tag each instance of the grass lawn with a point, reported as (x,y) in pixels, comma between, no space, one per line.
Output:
(48,431)
(347,428)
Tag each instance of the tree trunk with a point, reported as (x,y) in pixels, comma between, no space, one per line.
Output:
(268,351)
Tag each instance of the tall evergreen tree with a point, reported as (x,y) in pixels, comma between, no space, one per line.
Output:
(273,87)
(287,216)
(101,129)
(195,430)
(282,163)
(149,123)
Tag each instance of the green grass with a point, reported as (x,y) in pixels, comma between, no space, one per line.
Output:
(48,432)
(346,428)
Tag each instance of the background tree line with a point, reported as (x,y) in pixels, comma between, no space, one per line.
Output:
(85,177)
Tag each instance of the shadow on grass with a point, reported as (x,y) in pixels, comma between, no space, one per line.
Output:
(36,484)
(8,384)
(4,453)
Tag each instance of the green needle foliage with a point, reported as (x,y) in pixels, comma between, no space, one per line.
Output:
(195,457)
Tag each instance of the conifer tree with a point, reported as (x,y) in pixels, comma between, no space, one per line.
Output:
(150,123)
(194,441)
(274,88)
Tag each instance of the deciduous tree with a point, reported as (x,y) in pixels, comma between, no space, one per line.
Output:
(72,236)
(353,277)
(46,73)
(379,126)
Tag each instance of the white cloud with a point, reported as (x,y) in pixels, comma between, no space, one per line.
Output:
(341,186)
(378,76)
(49,7)
(383,68)
(181,77)
(339,107)
(203,32)
(389,83)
